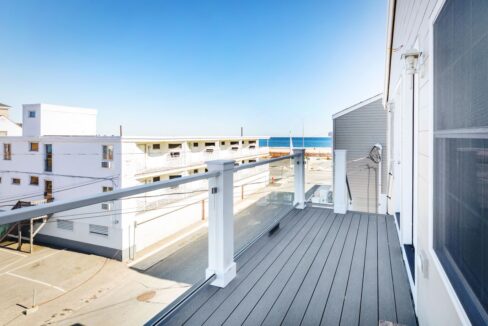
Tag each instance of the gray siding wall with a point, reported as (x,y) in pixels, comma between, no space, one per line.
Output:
(357,132)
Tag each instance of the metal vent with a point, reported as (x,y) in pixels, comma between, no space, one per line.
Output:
(65,225)
(99,229)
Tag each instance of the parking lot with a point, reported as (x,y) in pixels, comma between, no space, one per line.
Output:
(71,287)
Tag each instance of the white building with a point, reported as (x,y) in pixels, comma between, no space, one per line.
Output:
(436,88)
(7,126)
(60,157)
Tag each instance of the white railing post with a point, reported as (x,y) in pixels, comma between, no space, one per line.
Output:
(340,186)
(299,171)
(221,223)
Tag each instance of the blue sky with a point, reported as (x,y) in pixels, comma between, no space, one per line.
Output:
(194,67)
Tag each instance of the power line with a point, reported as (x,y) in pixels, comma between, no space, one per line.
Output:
(35,194)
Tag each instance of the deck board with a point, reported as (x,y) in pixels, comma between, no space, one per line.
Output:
(216,303)
(403,300)
(288,283)
(386,295)
(333,308)
(369,298)
(320,268)
(352,300)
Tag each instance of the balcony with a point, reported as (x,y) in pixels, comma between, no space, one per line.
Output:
(279,261)
(319,268)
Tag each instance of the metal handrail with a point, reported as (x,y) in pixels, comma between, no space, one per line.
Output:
(68,204)
(348,189)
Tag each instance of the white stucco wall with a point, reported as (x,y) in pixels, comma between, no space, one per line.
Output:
(76,172)
(9,128)
(58,120)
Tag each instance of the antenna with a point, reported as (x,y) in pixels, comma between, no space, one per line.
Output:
(242,131)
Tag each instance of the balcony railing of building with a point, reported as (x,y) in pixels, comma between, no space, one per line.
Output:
(225,182)
(165,161)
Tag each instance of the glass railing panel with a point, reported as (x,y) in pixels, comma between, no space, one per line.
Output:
(116,262)
(262,195)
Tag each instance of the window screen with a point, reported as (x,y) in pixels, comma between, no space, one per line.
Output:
(461,151)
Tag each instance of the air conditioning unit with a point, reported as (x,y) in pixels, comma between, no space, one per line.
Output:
(106,164)
(107,206)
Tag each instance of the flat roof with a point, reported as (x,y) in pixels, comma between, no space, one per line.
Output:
(129,139)
(357,106)
(189,138)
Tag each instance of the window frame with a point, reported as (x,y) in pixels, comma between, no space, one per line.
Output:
(33,177)
(16,183)
(109,154)
(7,154)
(452,293)
(32,143)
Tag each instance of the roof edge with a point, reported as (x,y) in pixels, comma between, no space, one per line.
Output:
(357,106)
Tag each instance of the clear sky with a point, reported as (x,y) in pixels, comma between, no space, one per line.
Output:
(194,67)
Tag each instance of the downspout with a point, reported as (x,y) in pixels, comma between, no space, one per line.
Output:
(389,49)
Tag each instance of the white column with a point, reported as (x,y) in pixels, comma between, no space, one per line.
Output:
(299,171)
(340,187)
(221,223)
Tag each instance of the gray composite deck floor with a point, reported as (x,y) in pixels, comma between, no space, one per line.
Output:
(319,268)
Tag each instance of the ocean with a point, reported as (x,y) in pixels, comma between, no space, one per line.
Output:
(297,142)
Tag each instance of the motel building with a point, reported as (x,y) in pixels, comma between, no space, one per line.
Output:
(59,156)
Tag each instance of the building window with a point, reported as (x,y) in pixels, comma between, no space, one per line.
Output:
(156,179)
(234,143)
(209,144)
(174,176)
(461,152)
(108,152)
(15,181)
(0,180)
(156,146)
(252,161)
(174,154)
(34,180)
(48,158)
(252,147)
(34,147)
(222,143)
(7,151)
(32,114)
(107,189)
(195,171)
(252,142)
(174,146)
(195,144)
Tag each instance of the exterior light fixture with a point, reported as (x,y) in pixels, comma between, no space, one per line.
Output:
(411,61)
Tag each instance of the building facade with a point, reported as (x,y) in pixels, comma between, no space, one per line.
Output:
(7,126)
(436,90)
(47,163)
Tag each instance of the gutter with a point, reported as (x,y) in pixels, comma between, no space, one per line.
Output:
(389,49)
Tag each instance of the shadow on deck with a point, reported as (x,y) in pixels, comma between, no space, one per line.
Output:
(320,268)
